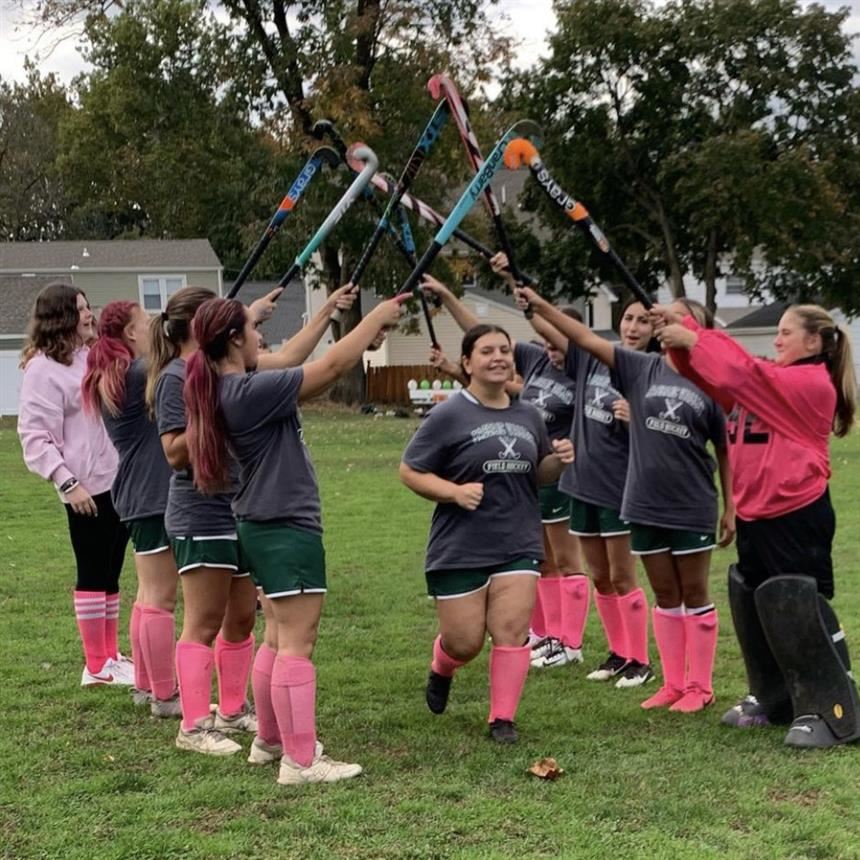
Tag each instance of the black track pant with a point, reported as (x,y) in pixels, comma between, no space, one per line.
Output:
(99,544)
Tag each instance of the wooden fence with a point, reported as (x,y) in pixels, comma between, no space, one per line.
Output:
(389,384)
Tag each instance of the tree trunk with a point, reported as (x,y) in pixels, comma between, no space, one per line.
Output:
(710,272)
(351,388)
(676,272)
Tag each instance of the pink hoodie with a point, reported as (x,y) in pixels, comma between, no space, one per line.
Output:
(780,428)
(59,440)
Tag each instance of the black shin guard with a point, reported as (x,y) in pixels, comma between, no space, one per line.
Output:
(826,706)
(765,678)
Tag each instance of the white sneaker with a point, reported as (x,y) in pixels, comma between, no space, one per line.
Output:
(166,708)
(108,677)
(141,697)
(542,648)
(244,721)
(204,739)
(263,753)
(123,669)
(560,656)
(321,769)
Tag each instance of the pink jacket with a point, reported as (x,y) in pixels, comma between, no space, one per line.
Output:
(779,427)
(58,439)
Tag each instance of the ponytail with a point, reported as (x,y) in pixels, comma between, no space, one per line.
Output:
(839,358)
(108,361)
(168,331)
(215,322)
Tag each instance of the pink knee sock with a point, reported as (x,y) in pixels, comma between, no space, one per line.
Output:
(194,666)
(549,588)
(537,625)
(669,633)
(508,669)
(157,638)
(90,615)
(141,675)
(701,633)
(261,681)
(633,608)
(613,624)
(575,595)
(233,663)
(443,663)
(294,693)
(112,625)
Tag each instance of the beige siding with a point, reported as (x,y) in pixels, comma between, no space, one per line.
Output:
(415,349)
(104,287)
(756,341)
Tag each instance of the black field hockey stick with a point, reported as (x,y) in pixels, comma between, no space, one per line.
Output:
(422,149)
(441,86)
(323,155)
(364,154)
(524,128)
(520,152)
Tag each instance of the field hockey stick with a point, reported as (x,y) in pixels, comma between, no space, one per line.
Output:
(409,241)
(323,155)
(364,154)
(422,149)
(441,86)
(326,128)
(520,152)
(524,128)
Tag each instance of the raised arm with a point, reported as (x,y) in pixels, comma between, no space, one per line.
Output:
(320,374)
(462,315)
(296,350)
(568,327)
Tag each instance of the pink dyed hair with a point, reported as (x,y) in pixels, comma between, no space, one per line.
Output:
(214,323)
(108,360)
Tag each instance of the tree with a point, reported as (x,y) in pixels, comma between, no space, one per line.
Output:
(706,133)
(32,196)
(363,63)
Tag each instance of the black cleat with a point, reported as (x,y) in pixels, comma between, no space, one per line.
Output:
(503,732)
(438,689)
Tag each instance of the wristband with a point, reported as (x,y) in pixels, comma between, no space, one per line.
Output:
(69,485)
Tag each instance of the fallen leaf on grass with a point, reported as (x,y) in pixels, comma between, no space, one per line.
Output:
(546,768)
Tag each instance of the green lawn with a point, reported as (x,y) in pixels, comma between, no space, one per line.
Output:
(85,775)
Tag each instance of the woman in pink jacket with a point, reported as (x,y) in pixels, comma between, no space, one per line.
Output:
(72,450)
(781,415)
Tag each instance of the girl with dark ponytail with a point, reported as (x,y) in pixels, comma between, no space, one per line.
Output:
(276,506)
(113,388)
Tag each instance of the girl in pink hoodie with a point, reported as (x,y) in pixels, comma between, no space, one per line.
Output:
(72,450)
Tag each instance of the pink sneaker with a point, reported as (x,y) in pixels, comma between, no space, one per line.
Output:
(664,697)
(693,700)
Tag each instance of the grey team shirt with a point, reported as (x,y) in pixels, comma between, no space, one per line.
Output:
(189,512)
(276,476)
(465,442)
(140,487)
(551,391)
(670,481)
(600,441)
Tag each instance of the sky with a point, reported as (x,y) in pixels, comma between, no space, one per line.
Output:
(526,20)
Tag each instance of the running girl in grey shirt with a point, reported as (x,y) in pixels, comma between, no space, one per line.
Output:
(481,457)
(670,500)
(277,502)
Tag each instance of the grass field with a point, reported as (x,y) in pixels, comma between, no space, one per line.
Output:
(85,775)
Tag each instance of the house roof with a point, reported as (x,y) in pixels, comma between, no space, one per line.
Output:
(767,316)
(115,255)
(17,297)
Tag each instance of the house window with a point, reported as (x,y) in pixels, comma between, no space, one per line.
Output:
(735,285)
(155,290)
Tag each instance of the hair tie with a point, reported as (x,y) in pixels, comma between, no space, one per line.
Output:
(164,316)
